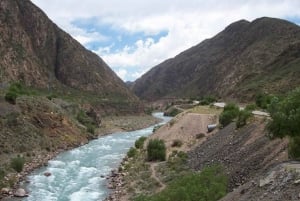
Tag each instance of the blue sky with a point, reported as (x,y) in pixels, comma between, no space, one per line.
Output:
(134,35)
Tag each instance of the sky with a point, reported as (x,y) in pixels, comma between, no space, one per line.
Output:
(132,36)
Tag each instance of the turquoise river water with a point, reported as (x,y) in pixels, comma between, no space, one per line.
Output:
(76,174)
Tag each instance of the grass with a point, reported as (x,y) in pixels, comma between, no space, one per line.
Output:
(208,185)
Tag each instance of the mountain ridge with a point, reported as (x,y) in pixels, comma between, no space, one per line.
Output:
(227,64)
(37,52)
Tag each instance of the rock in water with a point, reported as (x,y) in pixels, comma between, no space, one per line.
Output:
(20,192)
(47,174)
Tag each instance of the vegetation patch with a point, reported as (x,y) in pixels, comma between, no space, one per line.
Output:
(285,121)
(132,152)
(207,100)
(139,143)
(172,112)
(242,118)
(229,113)
(156,150)
(209,185)
(176,143)
(17,163)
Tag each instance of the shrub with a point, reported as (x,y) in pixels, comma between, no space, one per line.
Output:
(229,113)
(250,107)
(132,152)
(87,121)
(90,128)
(243,116)
(139,143)
(177,161)
(208,100)
(226,118)
(294,147)
(17,163)
(176,143)
(200,135)
(208,185)
(263,100)
(11,97)
(156,150)
(172,112)
(232,107)
(156,128)
(14,90)
(285,121)
(285,115)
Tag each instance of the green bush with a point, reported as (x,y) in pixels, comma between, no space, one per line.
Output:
(90,128)
(250,107)
(208,185)
(87,121)
(139,143)
(226,117)
(263,100)
(294,147)
(285,115)
(229,113)
(243,116)
(285,120)
(177,161)
(176,143)
(172,112)
(206,100)
(14,90)
(17,163)
(11,97)
(156,150)
(132,152)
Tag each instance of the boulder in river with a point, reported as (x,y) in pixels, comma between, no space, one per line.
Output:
(47,174)
(20,192)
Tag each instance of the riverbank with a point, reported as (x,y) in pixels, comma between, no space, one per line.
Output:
(109,125)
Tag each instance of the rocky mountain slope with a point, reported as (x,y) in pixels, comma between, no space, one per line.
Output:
(37,52)
(245,58)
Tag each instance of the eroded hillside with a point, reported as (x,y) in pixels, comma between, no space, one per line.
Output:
(244,59)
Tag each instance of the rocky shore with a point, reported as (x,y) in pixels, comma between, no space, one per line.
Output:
(115,182)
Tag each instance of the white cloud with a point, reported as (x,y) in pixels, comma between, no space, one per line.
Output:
(122,73)
(187,23)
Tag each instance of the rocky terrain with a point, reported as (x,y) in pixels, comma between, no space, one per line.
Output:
(244,59)
(244,153)
(36,52)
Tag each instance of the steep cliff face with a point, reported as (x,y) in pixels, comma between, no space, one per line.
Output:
(35,51)
(244,58)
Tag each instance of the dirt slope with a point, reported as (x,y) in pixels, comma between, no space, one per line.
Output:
(185,127)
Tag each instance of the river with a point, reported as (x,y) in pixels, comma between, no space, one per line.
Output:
(76,174)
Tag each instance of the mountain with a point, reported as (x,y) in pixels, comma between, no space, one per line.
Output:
(38,53)
(242,60)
